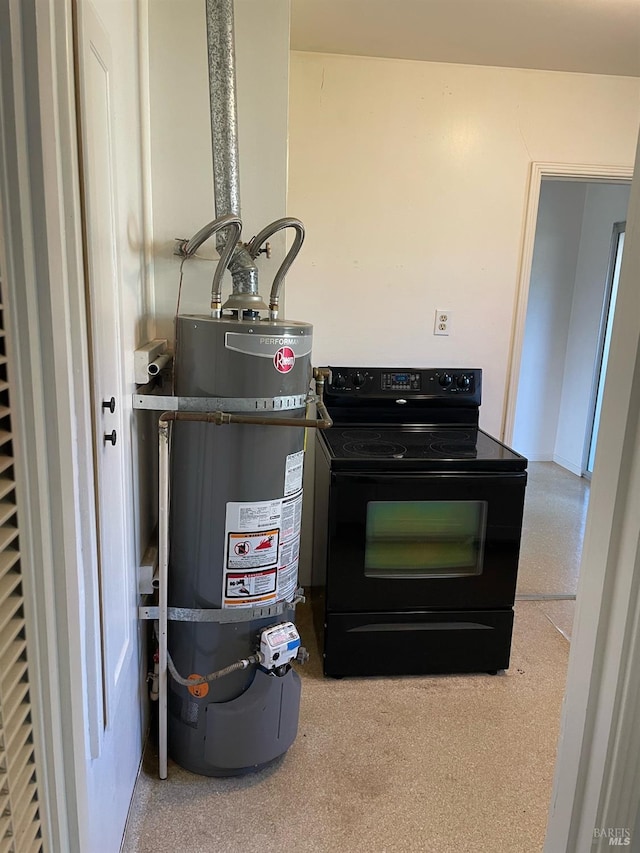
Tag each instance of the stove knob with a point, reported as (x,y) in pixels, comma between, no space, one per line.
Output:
(339,381)
(445,380)
(358,380)
(463,381)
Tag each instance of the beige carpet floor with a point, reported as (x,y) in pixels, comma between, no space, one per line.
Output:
(449,764)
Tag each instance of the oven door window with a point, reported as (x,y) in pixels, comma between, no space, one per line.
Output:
(424,539)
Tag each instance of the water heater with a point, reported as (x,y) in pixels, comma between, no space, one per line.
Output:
(235,518)
(230,482)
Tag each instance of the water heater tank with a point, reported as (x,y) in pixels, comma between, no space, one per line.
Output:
(235,517)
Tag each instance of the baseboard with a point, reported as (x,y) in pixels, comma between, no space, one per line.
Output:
(537,456)
(565,463)
(534,456)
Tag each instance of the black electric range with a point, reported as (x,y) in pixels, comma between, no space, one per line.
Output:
(418,518)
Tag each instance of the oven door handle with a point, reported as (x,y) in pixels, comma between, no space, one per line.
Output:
(389,477)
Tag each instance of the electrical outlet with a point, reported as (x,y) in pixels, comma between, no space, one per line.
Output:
(442,323)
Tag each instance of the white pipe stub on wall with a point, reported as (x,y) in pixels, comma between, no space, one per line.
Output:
(149,359)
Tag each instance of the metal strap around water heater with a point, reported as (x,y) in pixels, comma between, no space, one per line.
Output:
(222,616)
(160,403)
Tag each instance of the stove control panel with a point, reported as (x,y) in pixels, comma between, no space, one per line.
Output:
(384,383)
(400,381)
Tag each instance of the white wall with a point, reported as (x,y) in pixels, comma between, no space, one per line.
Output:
(411,178)
(604,205)
(181,159)
(553,273)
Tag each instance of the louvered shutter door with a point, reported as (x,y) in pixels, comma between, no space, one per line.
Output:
(19,815)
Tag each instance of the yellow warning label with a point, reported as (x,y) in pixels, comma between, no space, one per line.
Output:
(199,690)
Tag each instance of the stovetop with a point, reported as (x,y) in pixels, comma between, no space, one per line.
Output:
(417,447)
(410,419)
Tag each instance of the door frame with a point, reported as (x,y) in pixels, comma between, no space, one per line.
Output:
(39,182)
(538,171)
(595,784)
(600,741)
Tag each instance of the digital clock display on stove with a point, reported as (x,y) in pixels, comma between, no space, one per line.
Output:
(397,381)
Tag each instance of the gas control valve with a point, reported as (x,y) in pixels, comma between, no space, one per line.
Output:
(279,645)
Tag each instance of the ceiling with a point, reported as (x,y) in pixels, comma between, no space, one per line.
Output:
(590,36)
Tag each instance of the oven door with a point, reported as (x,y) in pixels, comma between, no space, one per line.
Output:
(423,541)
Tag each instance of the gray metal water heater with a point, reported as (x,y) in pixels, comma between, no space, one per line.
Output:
(229,543)
(235,517)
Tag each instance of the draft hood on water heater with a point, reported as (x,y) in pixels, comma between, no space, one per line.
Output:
(232,440)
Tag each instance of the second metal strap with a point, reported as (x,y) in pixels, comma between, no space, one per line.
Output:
(222,616)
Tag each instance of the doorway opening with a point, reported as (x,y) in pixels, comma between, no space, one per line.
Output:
(562,358)
(566,318)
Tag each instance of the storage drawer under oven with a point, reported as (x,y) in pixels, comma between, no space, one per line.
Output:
(417,643)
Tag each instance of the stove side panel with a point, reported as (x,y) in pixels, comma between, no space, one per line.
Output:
(321,515)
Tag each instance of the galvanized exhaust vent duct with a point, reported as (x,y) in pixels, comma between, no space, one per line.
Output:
(224,139)
(222,99)
(239,258)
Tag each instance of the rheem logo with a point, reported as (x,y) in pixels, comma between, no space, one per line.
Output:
(284,359)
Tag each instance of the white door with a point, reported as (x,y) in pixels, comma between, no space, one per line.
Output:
(113,703)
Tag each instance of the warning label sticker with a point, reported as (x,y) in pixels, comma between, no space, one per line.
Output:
(251,586)
(262,545)
(289,546)
(252,550)
(255,516)
(291,518)
(293,473)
